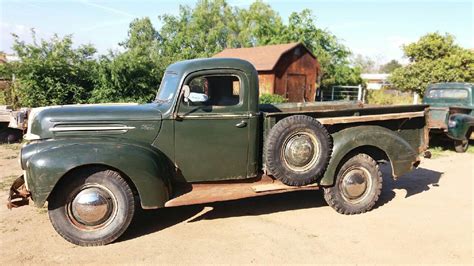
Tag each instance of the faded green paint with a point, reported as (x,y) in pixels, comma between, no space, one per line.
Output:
(401,154)
(463,124)
(459,111)
(169,141)
(49,161)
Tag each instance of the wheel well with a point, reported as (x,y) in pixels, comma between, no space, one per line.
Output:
(376,153)
(99,166)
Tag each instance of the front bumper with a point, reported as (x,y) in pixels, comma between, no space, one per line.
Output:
(18,195)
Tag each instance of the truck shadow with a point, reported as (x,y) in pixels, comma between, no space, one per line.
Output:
(151,221)
(415,182)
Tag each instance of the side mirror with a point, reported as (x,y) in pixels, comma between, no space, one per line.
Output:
(186,93)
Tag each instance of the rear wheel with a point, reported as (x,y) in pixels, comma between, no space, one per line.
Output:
(94,207)
(461,145)
(357,187)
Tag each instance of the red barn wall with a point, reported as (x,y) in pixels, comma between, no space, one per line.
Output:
(296,75)
(266,82)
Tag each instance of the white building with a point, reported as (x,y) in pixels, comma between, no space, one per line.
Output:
(375,81)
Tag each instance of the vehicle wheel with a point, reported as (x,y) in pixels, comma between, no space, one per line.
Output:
(461,145)
(94,207)
(297,150)
(357,187)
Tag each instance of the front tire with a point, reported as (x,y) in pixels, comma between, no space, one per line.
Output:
(357,186)
(91,208)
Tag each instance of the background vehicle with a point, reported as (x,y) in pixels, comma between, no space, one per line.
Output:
(94,163)
(451,112)
(12,124)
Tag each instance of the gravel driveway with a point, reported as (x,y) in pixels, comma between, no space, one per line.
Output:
(425,217)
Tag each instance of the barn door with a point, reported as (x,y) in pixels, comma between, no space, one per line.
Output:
(296,87)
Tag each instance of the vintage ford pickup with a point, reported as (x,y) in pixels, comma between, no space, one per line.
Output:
(205,138)
(451,112)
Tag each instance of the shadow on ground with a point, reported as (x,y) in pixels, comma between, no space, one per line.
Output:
(415,182)
(150,221)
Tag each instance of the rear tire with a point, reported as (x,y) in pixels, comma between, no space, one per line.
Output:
(297,150)
(357,186)
(461,146)
(93,207)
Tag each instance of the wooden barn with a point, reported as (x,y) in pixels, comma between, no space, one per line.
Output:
(290,70)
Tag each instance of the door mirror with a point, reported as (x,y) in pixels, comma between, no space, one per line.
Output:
(186,93)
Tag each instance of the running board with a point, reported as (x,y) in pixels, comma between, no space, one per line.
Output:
(199,193)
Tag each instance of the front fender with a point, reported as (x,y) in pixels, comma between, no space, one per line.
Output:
(400,153)
(148,169)
(459,126)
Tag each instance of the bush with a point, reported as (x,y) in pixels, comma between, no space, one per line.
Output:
(388,97)
(267,98)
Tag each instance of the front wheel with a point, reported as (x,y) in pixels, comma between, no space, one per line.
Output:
(357,186)
(93,207)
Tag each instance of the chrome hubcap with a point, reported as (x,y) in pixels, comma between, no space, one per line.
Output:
(301,150)
(355,184)
(92,206)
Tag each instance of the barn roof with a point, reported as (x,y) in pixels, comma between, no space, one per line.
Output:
(264,58)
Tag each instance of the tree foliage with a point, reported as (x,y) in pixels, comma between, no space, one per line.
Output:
(390,66)
(55,72)
(434,58)
(52,72)
(133,75)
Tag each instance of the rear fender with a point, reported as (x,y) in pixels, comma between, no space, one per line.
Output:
(399,152)
(460,125)
(147,169)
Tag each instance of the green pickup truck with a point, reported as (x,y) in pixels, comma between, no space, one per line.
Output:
(205,138)
(451,112)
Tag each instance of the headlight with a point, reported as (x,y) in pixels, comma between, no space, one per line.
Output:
(452,123)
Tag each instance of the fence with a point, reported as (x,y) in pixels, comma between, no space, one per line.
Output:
(342,93)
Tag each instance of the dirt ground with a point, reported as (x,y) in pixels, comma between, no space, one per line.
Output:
(425,217)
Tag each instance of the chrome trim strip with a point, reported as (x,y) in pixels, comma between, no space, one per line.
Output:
(65,129)
(216,116)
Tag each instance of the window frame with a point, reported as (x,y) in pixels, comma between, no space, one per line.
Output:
(240,107)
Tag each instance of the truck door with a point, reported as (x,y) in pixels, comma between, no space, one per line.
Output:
(211,129)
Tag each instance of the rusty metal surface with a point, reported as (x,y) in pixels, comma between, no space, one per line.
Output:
(189,194)
(18,195)
(367,118)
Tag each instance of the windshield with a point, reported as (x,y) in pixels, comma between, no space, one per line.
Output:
(448,94)
(167,89)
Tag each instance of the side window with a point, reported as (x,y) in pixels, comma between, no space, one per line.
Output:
(222,90)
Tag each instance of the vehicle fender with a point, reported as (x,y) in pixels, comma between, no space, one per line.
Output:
(459,126)
(399,152)
(148,169)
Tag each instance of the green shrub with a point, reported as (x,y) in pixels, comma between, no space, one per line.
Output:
(267,98)
(388,97)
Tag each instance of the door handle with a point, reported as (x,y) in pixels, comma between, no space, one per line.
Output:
(241,124)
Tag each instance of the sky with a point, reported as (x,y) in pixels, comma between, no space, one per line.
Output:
(376,29)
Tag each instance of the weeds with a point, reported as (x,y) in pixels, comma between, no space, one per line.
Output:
(13,146)
(7,181)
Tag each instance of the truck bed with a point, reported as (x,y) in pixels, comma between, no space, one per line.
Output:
(333,113)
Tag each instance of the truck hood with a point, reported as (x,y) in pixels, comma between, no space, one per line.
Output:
(133,121)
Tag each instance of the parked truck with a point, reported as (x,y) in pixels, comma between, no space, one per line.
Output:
(12,124)
(451,112)
(205,138)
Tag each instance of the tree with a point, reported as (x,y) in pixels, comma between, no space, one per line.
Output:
(133,75)
(365,64)
(212,25)
(52,72)
(434,58)
(390,66)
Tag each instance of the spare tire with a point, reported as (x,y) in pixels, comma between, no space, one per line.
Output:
(297,150)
